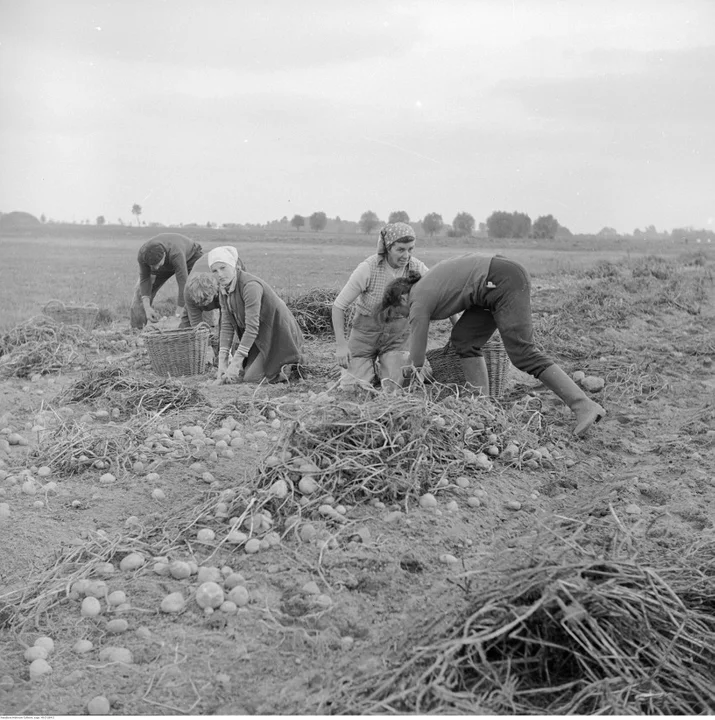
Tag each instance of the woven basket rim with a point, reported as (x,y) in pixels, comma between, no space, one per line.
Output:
(445,363)
(88,307)
(178,351)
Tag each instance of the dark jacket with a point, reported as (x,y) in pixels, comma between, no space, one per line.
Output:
(180,255)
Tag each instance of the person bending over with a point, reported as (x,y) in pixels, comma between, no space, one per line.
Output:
(493,293)
(162,257)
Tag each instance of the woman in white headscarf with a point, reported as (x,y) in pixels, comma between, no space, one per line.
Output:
(378,344)
(270,337)
(201,291)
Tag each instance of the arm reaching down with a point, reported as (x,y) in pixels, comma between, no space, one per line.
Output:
(252,293)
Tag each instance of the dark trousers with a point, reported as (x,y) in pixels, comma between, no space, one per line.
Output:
(507,308)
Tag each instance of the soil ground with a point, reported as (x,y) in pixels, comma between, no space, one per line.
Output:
(647,469)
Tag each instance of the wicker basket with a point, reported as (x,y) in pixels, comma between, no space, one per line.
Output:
(178,352)
(447,368)
(83,315)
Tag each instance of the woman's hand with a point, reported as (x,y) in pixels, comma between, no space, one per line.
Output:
(342,355)
(234,374)
(412,373)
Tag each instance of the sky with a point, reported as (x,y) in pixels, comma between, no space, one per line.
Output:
(598,112)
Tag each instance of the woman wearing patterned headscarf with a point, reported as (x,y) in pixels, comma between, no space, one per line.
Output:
(378,342)
(270,337)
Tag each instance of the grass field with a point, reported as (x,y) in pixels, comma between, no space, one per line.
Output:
(578,573)
(83,264)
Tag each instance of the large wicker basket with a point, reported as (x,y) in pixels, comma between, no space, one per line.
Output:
(447,369)
(178,352)
(83,315)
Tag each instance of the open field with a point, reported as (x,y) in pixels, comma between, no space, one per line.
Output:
(411,575)
(98,265)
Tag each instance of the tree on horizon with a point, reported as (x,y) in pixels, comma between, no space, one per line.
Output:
(318,221)
(368,221)
(432,223)
(137,210)
(398,216)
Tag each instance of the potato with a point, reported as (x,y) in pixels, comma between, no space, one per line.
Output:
(46,642)
(232,580)
(179,569)
(115,627)
(173,603)
(38,668)
(82,646)
(307,485)
(116,598)
(133,561)
(90,607)
(116,654)
(428,501)
(98,706)
(209,594)
(35,653)
(239,596)
(235,537)
(105,569)
(209,574)
(253,546)
(279,489)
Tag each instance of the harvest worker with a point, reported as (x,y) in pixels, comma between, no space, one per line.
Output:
(201,291)
(494,294)
(270,337)
(160,258)
(376,337)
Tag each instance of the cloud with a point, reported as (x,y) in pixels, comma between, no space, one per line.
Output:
(666,87)
(259,37)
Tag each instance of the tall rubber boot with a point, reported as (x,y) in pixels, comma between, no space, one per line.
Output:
(475,373)
(587,411)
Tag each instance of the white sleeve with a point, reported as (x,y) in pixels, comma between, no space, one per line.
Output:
(354,287)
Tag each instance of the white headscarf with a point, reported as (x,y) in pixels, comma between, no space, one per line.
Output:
(225,254)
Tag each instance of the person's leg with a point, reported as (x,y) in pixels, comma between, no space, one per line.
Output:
(587,411)
(476,375)
(470,333)
(362,342)
(511,305)
(137,316)
(254,371)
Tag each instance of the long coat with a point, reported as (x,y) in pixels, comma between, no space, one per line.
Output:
(277,336)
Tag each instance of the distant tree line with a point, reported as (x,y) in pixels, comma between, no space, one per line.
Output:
(499,225)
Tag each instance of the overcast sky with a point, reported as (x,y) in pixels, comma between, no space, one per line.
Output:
(599,112)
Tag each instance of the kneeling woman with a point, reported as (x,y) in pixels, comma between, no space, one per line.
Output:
(494,294)
(201,294)
(269,334)
(377,345)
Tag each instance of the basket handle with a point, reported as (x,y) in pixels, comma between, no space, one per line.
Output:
(59,303)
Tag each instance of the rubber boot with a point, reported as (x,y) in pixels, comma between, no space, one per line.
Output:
(587,411)
(475,374)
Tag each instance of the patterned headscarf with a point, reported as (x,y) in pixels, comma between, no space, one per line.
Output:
(392,233)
